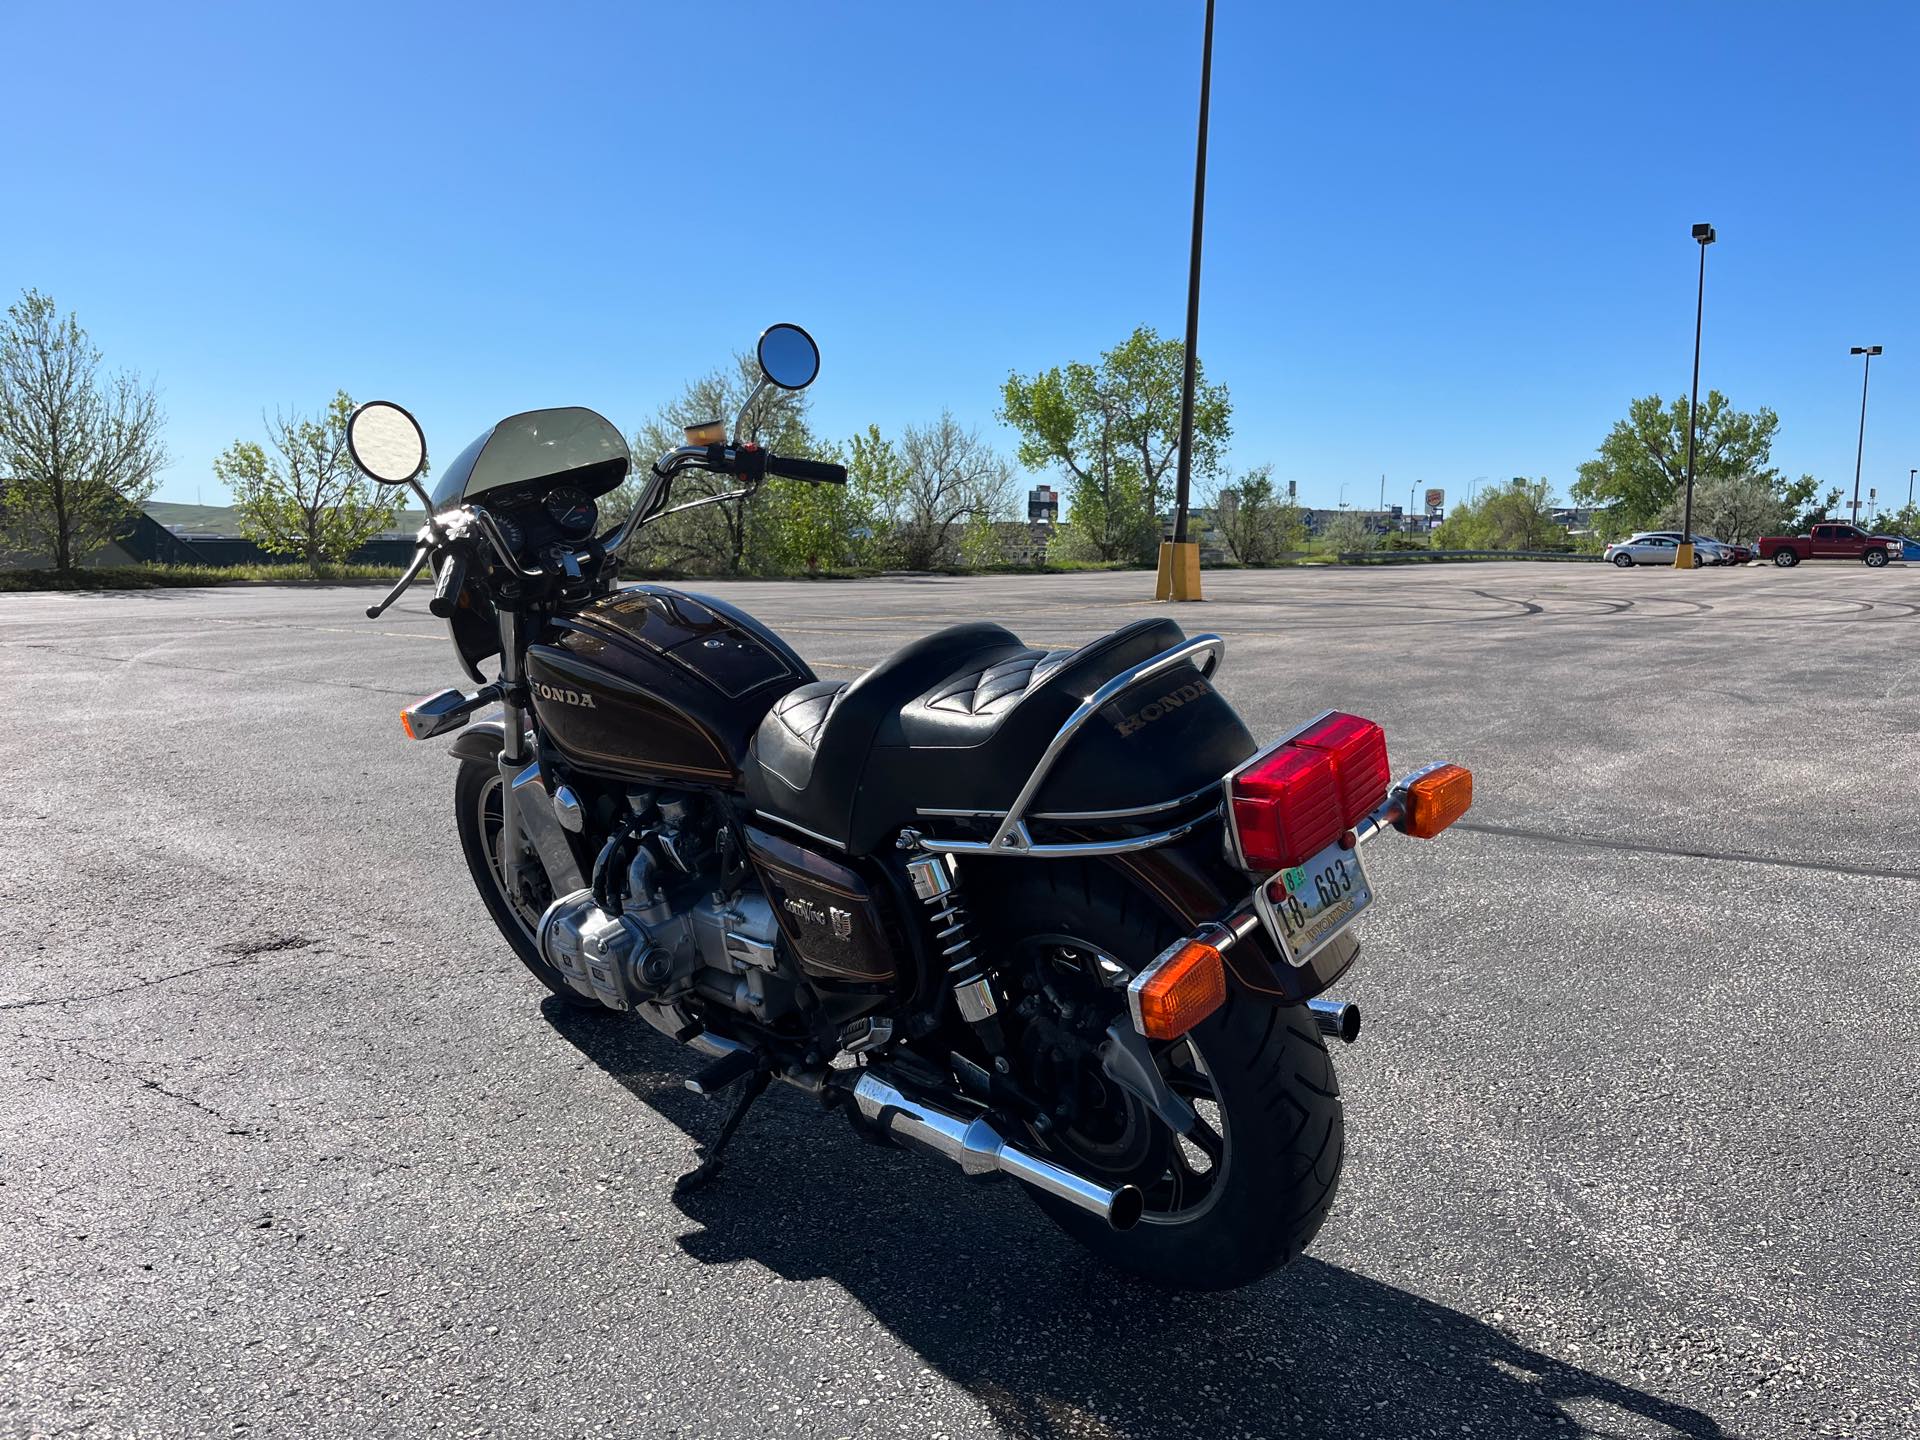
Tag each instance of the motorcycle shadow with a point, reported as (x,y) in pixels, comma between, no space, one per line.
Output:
(977,1282)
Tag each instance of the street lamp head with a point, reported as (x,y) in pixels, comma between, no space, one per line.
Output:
(1704,234)
(1864,350)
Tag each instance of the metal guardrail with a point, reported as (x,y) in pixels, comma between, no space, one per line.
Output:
(1433,557)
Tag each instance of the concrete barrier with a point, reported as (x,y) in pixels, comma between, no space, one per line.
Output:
(1441,557)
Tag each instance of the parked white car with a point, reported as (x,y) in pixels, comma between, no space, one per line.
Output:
(1712,551)
(1651,548)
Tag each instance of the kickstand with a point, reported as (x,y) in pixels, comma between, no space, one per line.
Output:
(747,1091)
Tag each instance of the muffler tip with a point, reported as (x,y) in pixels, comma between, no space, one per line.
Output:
(1349,1023)
(1127,1208)
(1338,1019)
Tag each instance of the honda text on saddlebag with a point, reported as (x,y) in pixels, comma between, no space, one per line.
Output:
(1049,913)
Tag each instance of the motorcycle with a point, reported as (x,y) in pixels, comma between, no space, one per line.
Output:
(1050,914)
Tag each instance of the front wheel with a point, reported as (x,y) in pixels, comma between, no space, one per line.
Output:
(1246,1189)
(516,894)
(1875,559)
(1786,559)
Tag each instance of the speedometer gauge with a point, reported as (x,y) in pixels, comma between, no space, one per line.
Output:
(510,532)
(571,512)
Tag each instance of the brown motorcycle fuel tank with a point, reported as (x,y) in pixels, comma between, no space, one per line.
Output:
(653,684)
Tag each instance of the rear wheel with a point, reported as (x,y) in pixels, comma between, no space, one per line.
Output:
(1248,1187)
(515,896)
(1623,560)
(1785,559)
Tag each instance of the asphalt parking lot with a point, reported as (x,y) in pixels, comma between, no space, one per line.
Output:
(289,1144)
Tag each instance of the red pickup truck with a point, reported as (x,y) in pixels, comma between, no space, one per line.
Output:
(1827,542)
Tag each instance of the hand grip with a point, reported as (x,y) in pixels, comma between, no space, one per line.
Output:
(818,472)
(448,585)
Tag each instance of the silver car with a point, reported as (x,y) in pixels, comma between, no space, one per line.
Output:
(1651,548)
(1714,552)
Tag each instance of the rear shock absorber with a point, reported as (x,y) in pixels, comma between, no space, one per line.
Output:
(939,889)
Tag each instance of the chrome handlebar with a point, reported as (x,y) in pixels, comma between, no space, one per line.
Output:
(442,530)
(660,480)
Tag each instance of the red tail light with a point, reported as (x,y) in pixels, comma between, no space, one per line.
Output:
(1359,750)
(1291,803)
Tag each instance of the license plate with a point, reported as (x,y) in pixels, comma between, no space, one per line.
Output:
(1307,906)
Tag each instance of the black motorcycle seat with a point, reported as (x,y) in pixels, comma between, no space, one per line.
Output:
(956,720)
(809,752)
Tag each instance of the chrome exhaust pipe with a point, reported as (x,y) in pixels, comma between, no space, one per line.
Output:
(979,1149)
(1339,1018)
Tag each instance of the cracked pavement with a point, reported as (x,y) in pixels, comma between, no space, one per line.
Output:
(290,1146)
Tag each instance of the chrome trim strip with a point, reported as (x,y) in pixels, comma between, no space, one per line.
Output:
(799,829)
(1068,816)
(1004,837)
(1025,844)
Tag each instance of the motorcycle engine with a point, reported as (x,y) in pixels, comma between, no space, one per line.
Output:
(676,937)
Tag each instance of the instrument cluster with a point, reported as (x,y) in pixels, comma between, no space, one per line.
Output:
(532,521)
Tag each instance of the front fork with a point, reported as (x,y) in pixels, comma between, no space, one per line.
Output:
(527,818)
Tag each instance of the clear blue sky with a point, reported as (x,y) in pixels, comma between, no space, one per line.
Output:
(1444,240)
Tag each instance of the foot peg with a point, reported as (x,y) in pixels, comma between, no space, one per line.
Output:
(723,1072)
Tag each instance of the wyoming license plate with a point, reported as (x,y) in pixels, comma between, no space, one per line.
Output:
(1307,906)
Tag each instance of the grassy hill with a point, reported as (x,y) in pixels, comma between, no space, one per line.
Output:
(191,520)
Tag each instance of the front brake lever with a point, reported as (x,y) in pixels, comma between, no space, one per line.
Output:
(420,556)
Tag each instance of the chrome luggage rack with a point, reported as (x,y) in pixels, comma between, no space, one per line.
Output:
(1012,834)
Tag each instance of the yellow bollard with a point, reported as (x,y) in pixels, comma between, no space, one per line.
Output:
(1179,572)
(1683,555)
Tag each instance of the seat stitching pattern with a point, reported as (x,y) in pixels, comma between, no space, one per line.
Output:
(995,687)
(821,705)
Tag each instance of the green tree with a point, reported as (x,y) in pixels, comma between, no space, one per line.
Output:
(1808,506)
(301,494)
(1905,521)
(1348,533)
(727,538)
(953,480)
(1114,429)
(1515,516)
(78,451)
(1642,463)
(1255,525)
(1738,508)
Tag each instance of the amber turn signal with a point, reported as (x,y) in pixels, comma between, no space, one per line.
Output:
(1436,799)
(710,432)
(1179,990)
(406,724)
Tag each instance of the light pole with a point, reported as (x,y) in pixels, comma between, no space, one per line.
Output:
(1179,577)
(1910,475)
(1860,447)
(1343,494)
(1683,552)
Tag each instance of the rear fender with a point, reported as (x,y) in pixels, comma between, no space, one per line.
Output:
(1193,882)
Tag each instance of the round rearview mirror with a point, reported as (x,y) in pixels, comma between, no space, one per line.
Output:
(386,442)
(788,356)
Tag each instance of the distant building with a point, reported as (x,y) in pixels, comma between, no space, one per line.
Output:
(1023,542)
(1043,505)
(1380,522)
